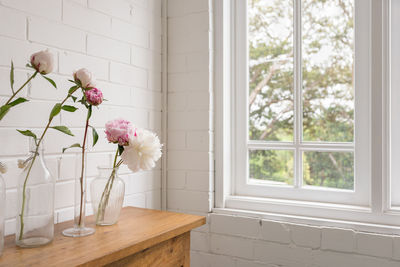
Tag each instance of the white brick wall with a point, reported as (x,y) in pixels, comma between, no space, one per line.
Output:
(228,240)
(120,42)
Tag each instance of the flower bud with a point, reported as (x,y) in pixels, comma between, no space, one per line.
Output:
(94,96)
(43,61)
(85,77)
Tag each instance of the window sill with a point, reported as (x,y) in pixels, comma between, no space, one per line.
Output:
(318,214)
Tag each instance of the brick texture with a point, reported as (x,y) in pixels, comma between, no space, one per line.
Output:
(107,38)
(229,240)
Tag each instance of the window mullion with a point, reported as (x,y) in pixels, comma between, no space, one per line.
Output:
(298,118)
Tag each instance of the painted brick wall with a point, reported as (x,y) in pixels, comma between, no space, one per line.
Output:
(120,42)
(228,240)
(190,116)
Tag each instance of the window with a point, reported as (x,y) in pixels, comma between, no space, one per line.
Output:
(299,125)
(302,119)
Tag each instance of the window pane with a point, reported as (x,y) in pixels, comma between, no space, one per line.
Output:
(270,36)
(272,165)
(329,169)
(328,68)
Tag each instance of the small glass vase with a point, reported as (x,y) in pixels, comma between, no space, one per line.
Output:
(107,194)
(80,193)
(35,191)
(2,212)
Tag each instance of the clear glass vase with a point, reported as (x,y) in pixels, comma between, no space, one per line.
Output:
(2,212)
(107,194)
(35,191)
(80,193)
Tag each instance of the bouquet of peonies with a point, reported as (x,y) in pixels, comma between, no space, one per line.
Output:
(138,148)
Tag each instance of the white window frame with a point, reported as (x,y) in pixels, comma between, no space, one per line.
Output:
(243,186)
(368,208)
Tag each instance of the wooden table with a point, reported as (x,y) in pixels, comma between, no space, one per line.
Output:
(142,237)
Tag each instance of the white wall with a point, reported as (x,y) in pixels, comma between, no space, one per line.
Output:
(120,42)
(229,240)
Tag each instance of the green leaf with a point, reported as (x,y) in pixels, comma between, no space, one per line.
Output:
(28,133)
(120,149)
(89,112)
(12,76)
(69,108)
(50,81)
(63,129)
(95,135)
(17,101)
(74,98)
(3,110)
(56,109)
(71,146)
(72,89)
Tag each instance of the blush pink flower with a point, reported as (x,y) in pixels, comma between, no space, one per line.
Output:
(94,96)
(85,77)
(119,131)
(43,61)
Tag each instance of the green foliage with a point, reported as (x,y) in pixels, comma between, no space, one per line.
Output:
(4,110)
(69,108)
(55,111)
(12,76)
(327,88)
(28,133)
(50,81)
(18,101)
(89,114)
(95,135)
(71,146)
(63,129)
(120,150)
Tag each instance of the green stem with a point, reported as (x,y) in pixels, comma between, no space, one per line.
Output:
(16,92)
(106,192)
(21,215)
(82,170)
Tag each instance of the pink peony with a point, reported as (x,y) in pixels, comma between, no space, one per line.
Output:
(94,96)
(119,131)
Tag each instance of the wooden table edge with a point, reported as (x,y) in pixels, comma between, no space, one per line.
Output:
(137,247)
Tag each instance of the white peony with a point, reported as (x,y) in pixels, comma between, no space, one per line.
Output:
(3,167)
(43,61)
(85,77)
(143,151)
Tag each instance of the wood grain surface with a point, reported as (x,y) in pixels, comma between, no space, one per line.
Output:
(137,230)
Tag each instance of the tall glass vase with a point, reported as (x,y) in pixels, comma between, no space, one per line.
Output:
(107,195)
(80,193)
(2,212)
(35,215)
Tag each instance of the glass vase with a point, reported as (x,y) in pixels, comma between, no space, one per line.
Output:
(2,212)
(107,194)
(35,191)
(80,193)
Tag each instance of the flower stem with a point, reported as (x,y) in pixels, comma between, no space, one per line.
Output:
(106,192)
(16,92)
(21,215)
(82,170)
